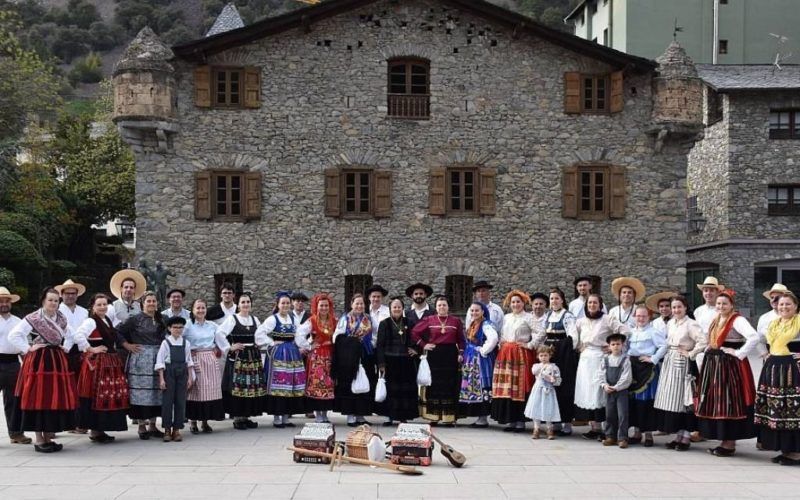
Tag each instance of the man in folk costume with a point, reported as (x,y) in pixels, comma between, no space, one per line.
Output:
(377,310)
(659,303)
(9,363)
(226,307)
(418,293)
(128,286)
(482,292)
(773,295)
(175,297)
(628,291)
(583,286)
(299,312)
(75,314)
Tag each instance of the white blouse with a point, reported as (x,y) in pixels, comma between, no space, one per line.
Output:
(227,326)
(522,328)
(569,322)
(263,338)
(18,337)
(594,332)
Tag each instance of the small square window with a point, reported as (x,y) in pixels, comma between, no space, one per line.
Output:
(723,46)
(783,200)
(228,87)
(783,124)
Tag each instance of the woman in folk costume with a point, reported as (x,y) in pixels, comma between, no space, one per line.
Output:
(776,411)
(45,391)
(141,335)
(562,336)
(243,389)
(676,382)
(353,347)
(724,408)
(441,338)
(208,346)
(102,386)
(643,343)
(477,369)
(284,367)
(319,355)
(593,330)
(628,291)
(512,380)
(397,364)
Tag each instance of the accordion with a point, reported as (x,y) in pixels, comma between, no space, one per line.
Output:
(317,437)
(412,446)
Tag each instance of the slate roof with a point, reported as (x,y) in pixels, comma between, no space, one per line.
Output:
(750,76)
(228,19)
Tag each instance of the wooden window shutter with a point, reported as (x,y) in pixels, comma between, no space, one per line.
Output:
(572,92)
(252,87)
(437,202)
(569,192)
(202,195)
(333,202)
(382,203)
(202,86)
(488,203)
(617,92)
(616,207)
(252,197)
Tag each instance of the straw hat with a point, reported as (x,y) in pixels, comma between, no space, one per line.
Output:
(652,301)
(776,288)
(71,284)
(633,283)
(128,274)
(5,294)
(711,282)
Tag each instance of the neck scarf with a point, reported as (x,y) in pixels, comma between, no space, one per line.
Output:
(358,322)
(779,333)
(52,332)
(717,332)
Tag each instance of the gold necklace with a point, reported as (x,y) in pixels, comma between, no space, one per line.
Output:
(443,324)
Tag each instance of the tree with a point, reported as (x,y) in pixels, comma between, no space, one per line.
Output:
(87,70)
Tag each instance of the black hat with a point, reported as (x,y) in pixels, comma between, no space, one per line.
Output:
(616,336)
(416,286)
(173,290)
(299,296)
(376,288)
(540,295)
(582,278)
(482,284)
(176,320)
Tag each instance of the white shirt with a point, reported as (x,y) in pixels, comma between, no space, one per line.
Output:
(490,342)
(376,317)
(263,339)
(704,315)
(660,325)
(6,325)
(74,317)
(163,356)
(420,312)
(764,320)
(515,326)
(624,316)
(298,316)
(496,316)
(227,326)
(120,311)
(168,313)
(18,337)
(576,307)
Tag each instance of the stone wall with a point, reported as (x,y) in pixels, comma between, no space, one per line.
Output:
(495,99)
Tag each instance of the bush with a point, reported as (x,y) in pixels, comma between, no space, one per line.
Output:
(18,253)
(69,43)
(87,70)
(22,224)
(64,267)
(105,36)
(6,278)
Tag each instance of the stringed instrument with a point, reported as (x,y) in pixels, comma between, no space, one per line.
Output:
(338,457)
(456,458)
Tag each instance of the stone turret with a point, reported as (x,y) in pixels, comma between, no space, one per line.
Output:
(678,89)
(144,92)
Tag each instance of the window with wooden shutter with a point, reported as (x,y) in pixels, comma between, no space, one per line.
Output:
(572,92)
(202,195)
(382,204)
(617,188)
(593,192)
(252,196)
(228,84)
(252,87)
(586,93)
(463,190)
(227,195)
(488,183)
(358,193)
(332,200)
(202,86)
(437,194)
(617,92)
(462,186)
(569,192)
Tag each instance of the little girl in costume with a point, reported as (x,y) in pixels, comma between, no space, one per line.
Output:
(542,404)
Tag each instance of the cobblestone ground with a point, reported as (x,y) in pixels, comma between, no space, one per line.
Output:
(254,463)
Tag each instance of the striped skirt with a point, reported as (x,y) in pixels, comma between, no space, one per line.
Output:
(204,400)
(45,393)
(675,396)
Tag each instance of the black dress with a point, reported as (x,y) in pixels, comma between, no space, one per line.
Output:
(394,340)
(349,352)
(244,390)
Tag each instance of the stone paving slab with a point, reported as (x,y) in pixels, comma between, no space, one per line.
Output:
(254,464)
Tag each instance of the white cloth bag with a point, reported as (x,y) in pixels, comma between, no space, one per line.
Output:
(424,372)
(360,384)
(380,391)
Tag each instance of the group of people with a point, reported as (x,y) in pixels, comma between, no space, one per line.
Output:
(535,358)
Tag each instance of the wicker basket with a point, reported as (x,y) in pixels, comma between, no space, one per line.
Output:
(357,442)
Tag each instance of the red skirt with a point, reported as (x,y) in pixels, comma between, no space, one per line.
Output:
(103,380)
(512,378)
(45,381)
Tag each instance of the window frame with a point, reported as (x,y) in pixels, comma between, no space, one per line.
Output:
(722,47)
(606,79)
(228,70)
(791,208)
(462,212)
(358,214)
(230,174)
(793,132)
(594,214)
(459,286)
(392,98)
(356,283)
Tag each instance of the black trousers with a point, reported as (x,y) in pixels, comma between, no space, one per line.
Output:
(9,371)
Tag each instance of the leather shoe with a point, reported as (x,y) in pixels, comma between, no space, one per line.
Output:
(682,447)
(20,439)
(250,424)
(476,425)
(207,429)
(45,448)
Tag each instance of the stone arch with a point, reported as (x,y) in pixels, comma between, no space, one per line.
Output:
(235,57)
(455,157)
(595,155)
(354,156)
(407,50)
(233,161)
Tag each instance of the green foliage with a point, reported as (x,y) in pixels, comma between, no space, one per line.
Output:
(548,12)
(87,70)
(106,36)
(69,42)
(133,15)
(61,270)
(23,224)
(78,13)
(18,254)
(6,278)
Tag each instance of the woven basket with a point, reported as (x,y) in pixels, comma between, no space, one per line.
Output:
(357,442)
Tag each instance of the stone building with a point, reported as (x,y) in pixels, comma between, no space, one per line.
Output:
(392,141)
(744,182)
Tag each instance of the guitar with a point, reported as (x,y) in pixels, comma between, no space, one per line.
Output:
(456,458)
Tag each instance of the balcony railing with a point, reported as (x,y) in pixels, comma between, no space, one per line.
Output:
(410,106)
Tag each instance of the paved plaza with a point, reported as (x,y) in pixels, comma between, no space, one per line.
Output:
(254,463)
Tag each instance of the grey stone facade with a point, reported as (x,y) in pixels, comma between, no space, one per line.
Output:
(729,172)
(498,101)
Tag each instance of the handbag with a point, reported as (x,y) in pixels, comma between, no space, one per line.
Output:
(380,390)
(360,384)
(424,372)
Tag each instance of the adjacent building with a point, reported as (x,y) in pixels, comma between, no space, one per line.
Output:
(712,31)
